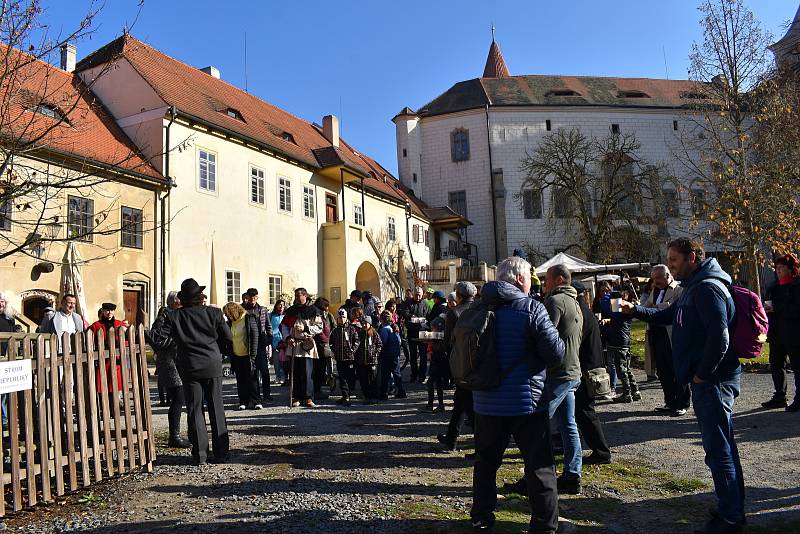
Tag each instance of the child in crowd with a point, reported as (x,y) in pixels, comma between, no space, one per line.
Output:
(343,343)
(390,357)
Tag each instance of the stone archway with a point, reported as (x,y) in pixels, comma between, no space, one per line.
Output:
(34,302)
(367,279)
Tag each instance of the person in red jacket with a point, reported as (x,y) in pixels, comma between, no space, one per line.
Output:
(104,323)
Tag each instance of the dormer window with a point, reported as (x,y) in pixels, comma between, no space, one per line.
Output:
(632,94)
(286,136)
(562,92)
(49,111)
(234,114)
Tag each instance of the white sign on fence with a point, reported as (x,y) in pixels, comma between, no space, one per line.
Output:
(15,376)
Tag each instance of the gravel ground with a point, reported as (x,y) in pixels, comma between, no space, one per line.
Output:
(379,469)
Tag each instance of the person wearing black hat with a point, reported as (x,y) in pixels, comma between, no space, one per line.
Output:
(353,301)
(413,313)
(261,314)
(105,322)
(197,331)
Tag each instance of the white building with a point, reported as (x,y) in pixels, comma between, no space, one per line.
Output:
(260,197)
(463,149)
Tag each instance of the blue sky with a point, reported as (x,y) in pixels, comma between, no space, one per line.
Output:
(365,60)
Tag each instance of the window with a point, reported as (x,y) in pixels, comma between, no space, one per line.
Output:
(459,145)
(132,234)
(80,212)
(562,203)
(233,286)
(427,238)
(675,125)
(548,125)
(671,203)
(358,214)
(391,230)
(416,234)
(632,94)
(207,169)
(5,215)
(615,128)
(49,111)
(405,153)
(457,200)
(309,204)
(275,288)
(234,114)
(562,92)
(257,185)
(284,194)
(532,203)
(414,177)
(698,201)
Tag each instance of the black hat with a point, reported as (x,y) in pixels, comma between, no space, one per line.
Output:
(251,292)
(110,306)
(579,287)
(189,289)
(356,293)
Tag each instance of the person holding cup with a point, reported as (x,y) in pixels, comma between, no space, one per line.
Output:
(617,329)
(784,309)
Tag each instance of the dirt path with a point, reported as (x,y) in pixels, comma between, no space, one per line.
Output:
(378,469)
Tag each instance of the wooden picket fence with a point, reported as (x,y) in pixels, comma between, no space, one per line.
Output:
(74,428)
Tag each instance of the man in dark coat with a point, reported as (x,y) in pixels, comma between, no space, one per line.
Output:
(197,331)
(414,314)
(250,303)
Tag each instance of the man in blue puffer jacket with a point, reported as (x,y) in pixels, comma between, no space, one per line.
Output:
(703,357)
(526,343)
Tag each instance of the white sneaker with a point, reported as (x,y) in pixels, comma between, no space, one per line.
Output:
(242,407)
(679,412)
(258,407)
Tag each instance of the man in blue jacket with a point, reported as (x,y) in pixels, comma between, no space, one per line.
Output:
(702,354)
(526,343)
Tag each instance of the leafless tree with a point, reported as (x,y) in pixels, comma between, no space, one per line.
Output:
(604,195)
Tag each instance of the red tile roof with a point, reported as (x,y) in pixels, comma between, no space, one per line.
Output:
(75,123)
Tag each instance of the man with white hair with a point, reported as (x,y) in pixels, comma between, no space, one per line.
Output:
(666,291)
(526,343)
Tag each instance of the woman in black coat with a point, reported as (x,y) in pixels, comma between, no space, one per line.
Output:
(784,324)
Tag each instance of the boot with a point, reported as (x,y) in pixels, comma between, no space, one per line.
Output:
(177,442)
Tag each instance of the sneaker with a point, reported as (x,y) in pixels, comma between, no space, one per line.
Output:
(678,412)
(450,444)
(520,486)
(774,402)
(596,459)
(794,406)
(242,407)
(484,525)
(310,404)
(295,403)
(717,525)
(438,409)
(568,486)
(622,399)
(636,396)
(258,407)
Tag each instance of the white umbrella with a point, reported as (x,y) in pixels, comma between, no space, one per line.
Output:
(72,279)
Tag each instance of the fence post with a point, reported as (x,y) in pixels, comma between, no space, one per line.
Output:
(451,267)
(484,271)
(30,460)
(41,404)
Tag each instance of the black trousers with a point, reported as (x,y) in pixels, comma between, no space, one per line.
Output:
(176,403)
(320,367)
(246,381)
(462,409)
(347,377)
(198,390)
(303,379)
(589,424)
(367,375)
(777,365)
(676,396)
(419,360)
(532,435)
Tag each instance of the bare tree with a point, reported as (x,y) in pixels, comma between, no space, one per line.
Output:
(718,146)
(604,194)
(42,119)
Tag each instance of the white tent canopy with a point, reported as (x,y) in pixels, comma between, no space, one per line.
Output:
(577,265)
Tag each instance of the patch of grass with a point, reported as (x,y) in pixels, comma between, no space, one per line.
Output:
(91,498)
(627,478)
(429,510)
(637,343)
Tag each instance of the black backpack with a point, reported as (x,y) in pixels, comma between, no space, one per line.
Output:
(473,360)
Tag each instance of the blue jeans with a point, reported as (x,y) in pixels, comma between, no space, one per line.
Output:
(562,412)
(713,406)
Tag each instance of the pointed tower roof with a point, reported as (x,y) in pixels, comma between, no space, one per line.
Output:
(787,49)
(495,64)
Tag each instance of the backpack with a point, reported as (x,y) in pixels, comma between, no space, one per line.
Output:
(473,359)
(749,332)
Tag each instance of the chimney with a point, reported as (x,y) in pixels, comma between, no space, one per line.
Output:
(68,53)
(330,129)
(211,71)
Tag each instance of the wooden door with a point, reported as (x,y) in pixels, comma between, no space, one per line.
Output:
(331,214)
(131,302)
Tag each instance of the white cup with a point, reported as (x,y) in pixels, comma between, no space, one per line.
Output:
(615,305)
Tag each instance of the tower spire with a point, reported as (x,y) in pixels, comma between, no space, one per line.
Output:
(495,64)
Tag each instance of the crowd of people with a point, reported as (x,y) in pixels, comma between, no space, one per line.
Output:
(555,348)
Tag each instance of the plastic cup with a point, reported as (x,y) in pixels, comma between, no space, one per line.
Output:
(616,305)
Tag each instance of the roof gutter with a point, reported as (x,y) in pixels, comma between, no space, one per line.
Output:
(163,259)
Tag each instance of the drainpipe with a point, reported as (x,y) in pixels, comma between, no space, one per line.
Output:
(491,182)
(342,211)
(363,210)
(408,239)
(172,114)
